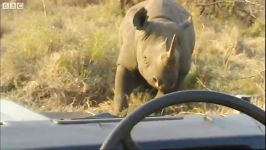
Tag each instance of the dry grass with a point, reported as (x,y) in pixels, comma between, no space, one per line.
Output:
(61,57)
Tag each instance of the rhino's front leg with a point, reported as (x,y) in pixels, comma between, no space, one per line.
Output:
(159,94)
(180,81)
(124,82)
(177,87)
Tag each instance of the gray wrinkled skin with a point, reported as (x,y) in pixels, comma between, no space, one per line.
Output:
(157,40)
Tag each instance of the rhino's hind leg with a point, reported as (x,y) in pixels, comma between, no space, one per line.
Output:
(124,84)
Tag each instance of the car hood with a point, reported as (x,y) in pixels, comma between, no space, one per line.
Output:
(10,111)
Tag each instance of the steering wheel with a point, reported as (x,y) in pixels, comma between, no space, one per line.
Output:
(121,133)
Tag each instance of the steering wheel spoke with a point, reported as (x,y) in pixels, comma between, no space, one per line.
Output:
(129,144)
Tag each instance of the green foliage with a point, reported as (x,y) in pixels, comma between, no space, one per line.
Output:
(257,29)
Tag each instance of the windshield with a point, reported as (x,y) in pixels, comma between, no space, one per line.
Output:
(63,56)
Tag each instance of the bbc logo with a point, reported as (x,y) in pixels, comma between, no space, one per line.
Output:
(12,5)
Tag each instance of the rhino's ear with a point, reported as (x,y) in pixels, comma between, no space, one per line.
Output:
(140,18)
(183,25)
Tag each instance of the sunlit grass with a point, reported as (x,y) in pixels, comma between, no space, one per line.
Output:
(63,58)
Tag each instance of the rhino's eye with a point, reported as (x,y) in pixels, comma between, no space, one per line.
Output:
(145,59)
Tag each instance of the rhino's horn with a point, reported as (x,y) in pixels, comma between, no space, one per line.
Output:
(171,51)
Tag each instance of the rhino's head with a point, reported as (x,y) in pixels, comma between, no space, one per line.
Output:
(158,45)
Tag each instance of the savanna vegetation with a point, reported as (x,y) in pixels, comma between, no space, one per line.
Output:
(60,55)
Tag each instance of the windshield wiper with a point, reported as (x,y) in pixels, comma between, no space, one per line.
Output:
(109,120)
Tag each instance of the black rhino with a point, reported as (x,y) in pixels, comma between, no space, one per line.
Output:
(157,40)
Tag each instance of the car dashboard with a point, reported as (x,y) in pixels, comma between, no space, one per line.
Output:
(46,131)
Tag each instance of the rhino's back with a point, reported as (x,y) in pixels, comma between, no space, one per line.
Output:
(159,8)
(166,8)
